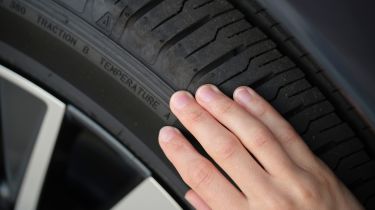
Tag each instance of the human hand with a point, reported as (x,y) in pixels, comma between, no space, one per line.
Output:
(256,147)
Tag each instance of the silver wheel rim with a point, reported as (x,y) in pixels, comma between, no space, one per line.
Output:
(39,159)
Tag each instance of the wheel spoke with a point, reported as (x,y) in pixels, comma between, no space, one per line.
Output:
(148,195)
(27,157)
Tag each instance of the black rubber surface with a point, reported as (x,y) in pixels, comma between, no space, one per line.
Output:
(188,43)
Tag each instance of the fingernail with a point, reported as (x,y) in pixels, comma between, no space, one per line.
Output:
(208,92)
(181,99)
(167,133)
(244,95)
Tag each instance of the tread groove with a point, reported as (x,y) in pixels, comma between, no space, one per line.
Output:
(328,146)
(331,127)
(181,35)
(203,4)
(301,91)
(271,61)
(217,62)
(214,38)
(240,32)
(339,161)
(301,108)
(141,12)
(248,64)
(171,16)
(271,75)
(361,164)
(316,118)
(280,88)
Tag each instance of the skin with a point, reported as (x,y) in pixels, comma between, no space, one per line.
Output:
(256,147)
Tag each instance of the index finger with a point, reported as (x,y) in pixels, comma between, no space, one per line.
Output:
(256,137)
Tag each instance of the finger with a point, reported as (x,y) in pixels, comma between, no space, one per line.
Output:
(219,143)
(199,173)
(253,134)
(284,132)
(196,201)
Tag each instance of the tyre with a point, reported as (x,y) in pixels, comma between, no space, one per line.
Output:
(118,62)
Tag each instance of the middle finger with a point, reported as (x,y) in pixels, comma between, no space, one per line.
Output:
(257,138)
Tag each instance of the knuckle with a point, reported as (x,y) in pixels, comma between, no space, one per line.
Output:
(307,194)
(225,107)
(200,175)
(195,116)
(226,148)
(260,138)
(177,146)
(289,136)
(325,179)
(307,190)
(276,202)
(260,108)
